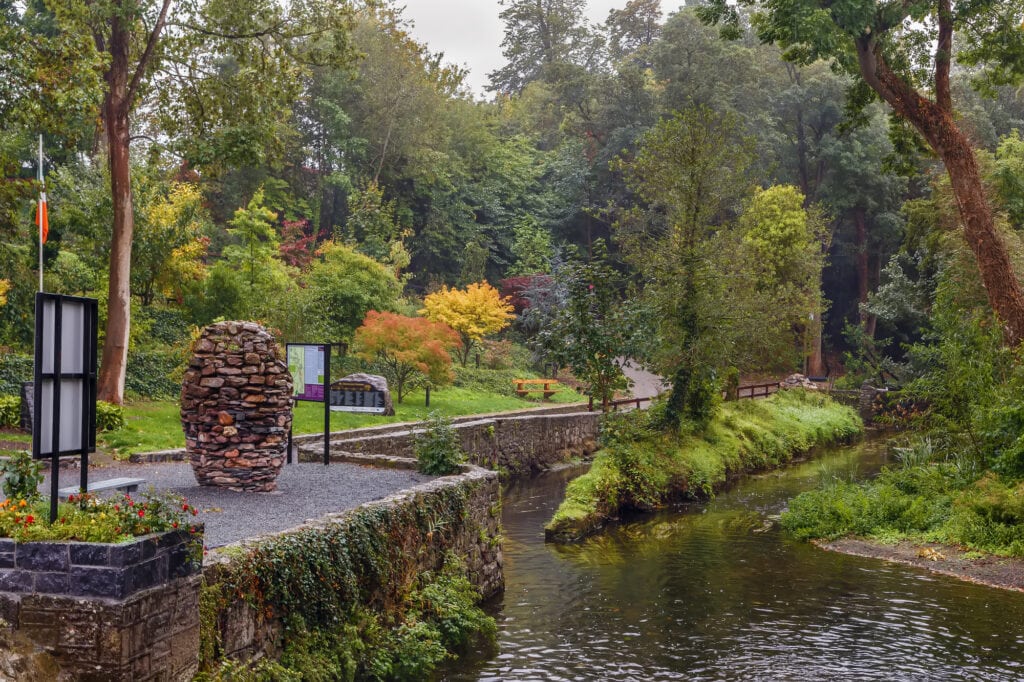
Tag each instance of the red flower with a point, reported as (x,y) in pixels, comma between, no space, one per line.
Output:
(29,519)
(141,513)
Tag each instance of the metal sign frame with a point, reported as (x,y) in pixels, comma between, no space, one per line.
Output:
(65,372)
(325,348)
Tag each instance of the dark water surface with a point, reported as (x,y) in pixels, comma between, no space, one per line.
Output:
(717,592)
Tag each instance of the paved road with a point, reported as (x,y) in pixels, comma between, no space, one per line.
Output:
(645,384)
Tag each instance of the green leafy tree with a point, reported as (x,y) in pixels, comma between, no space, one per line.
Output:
(171,220)
(785,244)
(342,288)
(903,53)
(532,249)
(589,332)
(690,169)
(256,242)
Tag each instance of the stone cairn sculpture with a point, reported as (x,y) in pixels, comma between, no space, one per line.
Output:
(236,407)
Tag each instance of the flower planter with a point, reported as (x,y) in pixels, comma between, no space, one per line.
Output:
(87,569)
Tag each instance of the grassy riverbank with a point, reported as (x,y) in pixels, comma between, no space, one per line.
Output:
(642,468)
(953,502)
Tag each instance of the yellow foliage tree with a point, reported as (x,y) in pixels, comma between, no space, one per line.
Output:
(5,286)
(474,312)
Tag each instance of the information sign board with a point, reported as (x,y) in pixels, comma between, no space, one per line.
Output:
(356,396)
(306,365)
(64,422)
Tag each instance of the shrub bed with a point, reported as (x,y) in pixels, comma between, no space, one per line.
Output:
(15,369)
(640,467)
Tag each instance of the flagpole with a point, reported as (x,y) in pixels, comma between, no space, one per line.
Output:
(40,225)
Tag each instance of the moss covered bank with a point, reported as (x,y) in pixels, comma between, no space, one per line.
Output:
(641,467)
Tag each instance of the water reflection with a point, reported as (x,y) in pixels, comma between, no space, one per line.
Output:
(717,592)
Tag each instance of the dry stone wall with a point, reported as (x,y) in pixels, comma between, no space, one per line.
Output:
(236,407)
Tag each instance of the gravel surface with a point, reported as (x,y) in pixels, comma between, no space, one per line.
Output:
(305,491)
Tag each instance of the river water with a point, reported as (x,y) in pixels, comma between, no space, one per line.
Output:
(717,592)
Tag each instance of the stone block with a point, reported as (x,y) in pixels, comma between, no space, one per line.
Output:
(87,581)
(125,555)
(52,583)
(42,556)
(89,554)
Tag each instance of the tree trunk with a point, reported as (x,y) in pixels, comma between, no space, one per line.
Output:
(816,356)
(874,280)
(863,286)
(935,122)
(110,383)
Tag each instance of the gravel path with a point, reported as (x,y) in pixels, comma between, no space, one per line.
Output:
(305,491)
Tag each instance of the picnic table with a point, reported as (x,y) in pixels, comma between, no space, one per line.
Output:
(544,386)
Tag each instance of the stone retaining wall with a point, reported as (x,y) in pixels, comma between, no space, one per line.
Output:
(245,633)
(512,445)
(181,454)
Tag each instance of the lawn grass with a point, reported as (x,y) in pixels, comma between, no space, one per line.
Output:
(156,425)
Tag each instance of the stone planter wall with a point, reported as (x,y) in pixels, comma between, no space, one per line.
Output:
(246,634)
(93,611)
(236,407)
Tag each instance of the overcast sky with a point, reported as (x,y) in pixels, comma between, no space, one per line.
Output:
(469,32)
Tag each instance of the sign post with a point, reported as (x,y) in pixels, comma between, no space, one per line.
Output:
(65,384)
(310,367)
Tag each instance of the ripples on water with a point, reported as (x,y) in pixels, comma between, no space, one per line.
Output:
(718,593)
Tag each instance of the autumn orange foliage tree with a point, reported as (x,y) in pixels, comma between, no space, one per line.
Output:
(409,351)
(474,312)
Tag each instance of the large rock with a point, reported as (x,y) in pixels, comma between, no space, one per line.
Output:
(236,407)
(378,383)
(798,381)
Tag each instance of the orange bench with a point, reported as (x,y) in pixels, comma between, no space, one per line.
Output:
(544,386)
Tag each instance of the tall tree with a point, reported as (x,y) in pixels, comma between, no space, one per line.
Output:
(902,52)
(691,170)
(633,29)
(539,34)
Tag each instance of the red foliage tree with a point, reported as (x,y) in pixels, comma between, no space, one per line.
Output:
(409,351)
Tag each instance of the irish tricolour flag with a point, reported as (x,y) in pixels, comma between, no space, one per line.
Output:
(42,220)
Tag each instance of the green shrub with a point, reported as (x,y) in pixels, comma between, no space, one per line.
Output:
(154,373)
(166,326)
(438,449)
(10,411)
(500,381)
(15,369)
(22,477)
(109,417)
